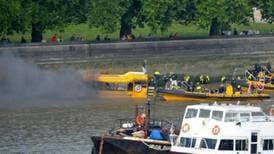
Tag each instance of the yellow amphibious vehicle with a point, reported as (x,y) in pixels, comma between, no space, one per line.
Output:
(133,84)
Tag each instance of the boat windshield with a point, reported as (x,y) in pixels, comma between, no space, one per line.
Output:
(217,115)
(191,113)
(258,116)
(244,116)
(231,117)
(204,113)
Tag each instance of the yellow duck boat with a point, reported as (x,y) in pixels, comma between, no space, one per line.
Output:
(183,95)
(133,84)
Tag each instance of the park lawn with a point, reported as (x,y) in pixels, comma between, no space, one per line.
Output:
(83,31)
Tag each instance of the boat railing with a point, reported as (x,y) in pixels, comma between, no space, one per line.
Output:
(123,123)
(130,123)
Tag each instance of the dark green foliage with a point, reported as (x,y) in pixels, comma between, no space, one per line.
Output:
(11,17)
(39,15)
(220,14)
(124,15)
(267,8)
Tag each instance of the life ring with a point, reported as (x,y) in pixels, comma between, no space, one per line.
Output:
(138,88)
(140,120)
(185,128)
(271,111)
(216,130)
(260,86)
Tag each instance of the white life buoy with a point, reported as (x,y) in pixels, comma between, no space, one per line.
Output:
(138,88)
(185,128)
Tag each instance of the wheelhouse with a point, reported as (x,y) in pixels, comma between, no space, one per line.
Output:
(225,129)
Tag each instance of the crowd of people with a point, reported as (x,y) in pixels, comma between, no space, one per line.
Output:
(172,81)
(261,72)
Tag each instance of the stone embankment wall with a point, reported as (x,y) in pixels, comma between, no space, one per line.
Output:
(196,55)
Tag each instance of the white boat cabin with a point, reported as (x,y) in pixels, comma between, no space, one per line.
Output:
(225,129)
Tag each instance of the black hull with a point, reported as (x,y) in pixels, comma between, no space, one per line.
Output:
(112,145)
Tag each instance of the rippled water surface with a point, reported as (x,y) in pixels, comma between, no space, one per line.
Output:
(66,127)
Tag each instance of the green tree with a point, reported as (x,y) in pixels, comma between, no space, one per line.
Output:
(49,14)
(220,14)
(267,9)
(112,15)
(11,18)
(128,14)
(160,13)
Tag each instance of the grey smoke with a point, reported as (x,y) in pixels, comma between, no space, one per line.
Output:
(22,81)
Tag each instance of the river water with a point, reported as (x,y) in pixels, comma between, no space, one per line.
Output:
(66,127)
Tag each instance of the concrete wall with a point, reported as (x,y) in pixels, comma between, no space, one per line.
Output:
(190,56)
(252,45)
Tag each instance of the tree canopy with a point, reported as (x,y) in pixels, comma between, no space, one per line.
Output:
(124,15)
(11,17)
(220,14)
(39,15)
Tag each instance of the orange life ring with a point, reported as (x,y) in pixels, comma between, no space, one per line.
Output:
(271,111)
(216,130)
(185,128)
(138,88)
(260,86)
(140,120)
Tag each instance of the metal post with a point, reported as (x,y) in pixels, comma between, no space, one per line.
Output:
(147,117)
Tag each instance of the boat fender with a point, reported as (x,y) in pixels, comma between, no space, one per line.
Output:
(216,130)
(138,88)
(140,120)
(185,128)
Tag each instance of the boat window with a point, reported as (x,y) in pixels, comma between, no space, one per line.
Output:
(208,143)
(241,145)
(191,113)
(231,117)
(226,145)
(113,86)
(217,115)
(187,142)
(254,137)
(244,117)
(204,113)
(257,114)
(268,144)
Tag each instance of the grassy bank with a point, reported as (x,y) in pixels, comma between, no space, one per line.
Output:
(87,33)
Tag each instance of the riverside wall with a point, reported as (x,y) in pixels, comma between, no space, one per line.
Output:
(189,55)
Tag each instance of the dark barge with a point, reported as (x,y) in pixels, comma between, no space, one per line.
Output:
(139,135)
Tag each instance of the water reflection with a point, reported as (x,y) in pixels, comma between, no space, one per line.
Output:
(67,127)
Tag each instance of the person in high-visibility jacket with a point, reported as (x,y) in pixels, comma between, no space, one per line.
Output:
(198,86)
(261,74)
(239,88)
(157,78)
(249,77)
(207,79)
(187,78)
(202,79)
(223,79)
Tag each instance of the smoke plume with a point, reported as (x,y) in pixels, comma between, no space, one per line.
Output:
(24,82)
